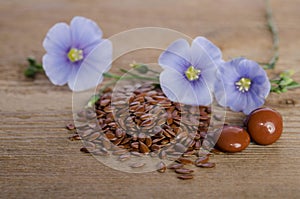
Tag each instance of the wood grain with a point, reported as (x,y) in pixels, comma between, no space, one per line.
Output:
(38,161)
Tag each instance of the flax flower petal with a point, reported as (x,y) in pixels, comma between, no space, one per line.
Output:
(177,56)
(95,64)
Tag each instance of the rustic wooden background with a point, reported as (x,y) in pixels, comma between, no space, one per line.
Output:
(38,161)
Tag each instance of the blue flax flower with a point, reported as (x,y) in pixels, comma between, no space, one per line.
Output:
(74,47)
(189,71)
(243,85)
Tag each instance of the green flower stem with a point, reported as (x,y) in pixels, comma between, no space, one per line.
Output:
(284,81)
(92,101)
(135,76)
(292,86)
(131,77)
(153,71)
(275,36)
(109,75)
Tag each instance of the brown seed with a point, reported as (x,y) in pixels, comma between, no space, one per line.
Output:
(197,145)
(138,114)
(143,148)
(126,140)
(124,157)
(119,133)
(181,135)
(108,109)
(137,154)
(161,121)
(86,149)
(93,136)
(170,121)
(161,167)
(172,133)
(159,98)
(165,104)
(147,122)
(206,165)
(142,137)
(137,165)
(140,99)
(184,171)
(158,140)
(103,150)
(134,145)
(157,129)
(90,145)
(70,126)
(146,116)
(189,153)
(185,161)
(119,152)
(140,108)
(106,143)
(113,125)
(75,137)
(104,102)
(91,115)
(166,134)
(118,141)
(185,177)
(155,147)
(202,160)
(175,166)
(85,132)
(134,104)
(180,147)
(151,93)
(110,136)
(100,153)
(131,99)
(165,142)
(148,141)
(162,155)
(156,110)
(134,137)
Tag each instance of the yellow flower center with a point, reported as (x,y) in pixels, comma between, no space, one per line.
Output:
(192,73)
(243,84)
(75,55)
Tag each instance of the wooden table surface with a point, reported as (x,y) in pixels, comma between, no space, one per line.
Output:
(38,161)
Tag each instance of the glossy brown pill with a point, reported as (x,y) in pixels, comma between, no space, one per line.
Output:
(233,139)
(264,126)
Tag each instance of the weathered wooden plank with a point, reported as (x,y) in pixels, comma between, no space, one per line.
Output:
(38,161)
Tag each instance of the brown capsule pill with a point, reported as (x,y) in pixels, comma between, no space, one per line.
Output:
(265,126)
(233,139)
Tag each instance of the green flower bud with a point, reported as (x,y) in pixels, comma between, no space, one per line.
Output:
(141,68)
